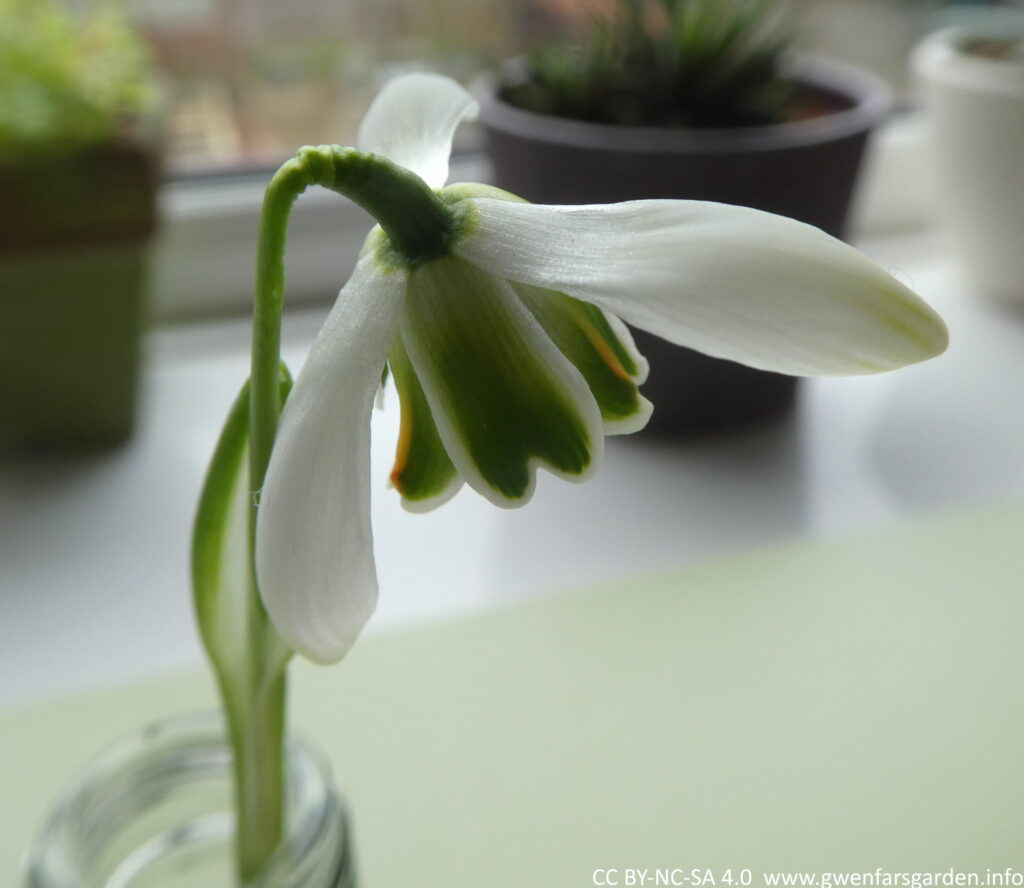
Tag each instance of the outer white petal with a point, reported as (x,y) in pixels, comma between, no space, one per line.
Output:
(412,121)
(729,281)
(314,549)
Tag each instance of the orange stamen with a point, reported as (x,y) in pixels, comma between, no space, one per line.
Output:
(602,348)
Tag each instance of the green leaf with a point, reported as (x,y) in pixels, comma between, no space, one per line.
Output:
(220,562)
(223,585)
(247,655)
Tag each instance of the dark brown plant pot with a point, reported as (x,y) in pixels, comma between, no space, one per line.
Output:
(73,247)
(805,169)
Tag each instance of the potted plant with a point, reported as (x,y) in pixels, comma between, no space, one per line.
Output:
(971,79)
(78,176)
(698,99)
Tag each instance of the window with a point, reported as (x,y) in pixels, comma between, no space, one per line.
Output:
(249,80)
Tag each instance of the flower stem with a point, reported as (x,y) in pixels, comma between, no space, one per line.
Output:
(256,730)
(248,656)
(418,224)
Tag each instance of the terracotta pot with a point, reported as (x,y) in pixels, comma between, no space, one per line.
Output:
(72,280)
(805,169)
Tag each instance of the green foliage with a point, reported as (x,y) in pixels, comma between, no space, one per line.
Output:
(686,63)
(67,79)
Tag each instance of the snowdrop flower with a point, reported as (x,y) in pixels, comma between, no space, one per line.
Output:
(500,322)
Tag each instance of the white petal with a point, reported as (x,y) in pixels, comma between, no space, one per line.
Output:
(314,549)
(412,121)
(729,281)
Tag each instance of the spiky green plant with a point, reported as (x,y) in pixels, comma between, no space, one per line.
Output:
(685,63)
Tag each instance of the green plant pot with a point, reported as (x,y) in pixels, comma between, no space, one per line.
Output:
(805,169)
(72,293)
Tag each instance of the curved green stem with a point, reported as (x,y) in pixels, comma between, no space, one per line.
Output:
(251,669)
(418,224)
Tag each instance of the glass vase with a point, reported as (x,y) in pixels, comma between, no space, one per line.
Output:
(156,811)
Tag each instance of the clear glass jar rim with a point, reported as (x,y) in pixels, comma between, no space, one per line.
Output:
(193,747)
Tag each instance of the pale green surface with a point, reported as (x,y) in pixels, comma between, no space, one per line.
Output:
(839,706)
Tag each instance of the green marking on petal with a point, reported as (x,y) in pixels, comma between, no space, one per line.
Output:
(503,396)
(423,474)
(460,191)
(386,257)
(584,335)
(459,198)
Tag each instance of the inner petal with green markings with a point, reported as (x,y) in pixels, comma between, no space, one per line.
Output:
(601,348)
(422,473)
(496,380)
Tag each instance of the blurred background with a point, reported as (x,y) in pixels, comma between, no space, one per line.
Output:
(248,80)
(169,116)
(135,144)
